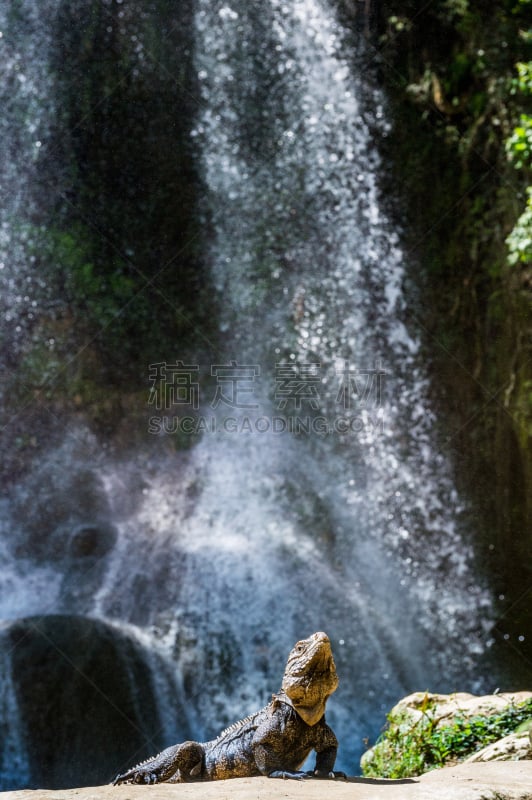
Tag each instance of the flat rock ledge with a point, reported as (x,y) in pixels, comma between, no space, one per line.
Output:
(500,780)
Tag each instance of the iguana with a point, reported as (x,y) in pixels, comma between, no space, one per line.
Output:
(274,741)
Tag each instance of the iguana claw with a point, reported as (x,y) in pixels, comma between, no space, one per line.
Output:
(286,774)
(134,776)
(315,773)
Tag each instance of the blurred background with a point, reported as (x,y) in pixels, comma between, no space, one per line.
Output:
(265,305)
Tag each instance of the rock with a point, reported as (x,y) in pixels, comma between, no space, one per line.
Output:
(85,700)
(515,747)
(505,780)
(403,750)
(444,708)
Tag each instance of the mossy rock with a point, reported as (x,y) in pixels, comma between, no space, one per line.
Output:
(426,731)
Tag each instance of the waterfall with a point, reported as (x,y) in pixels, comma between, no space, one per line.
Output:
(311,493)
(13,755)
(25,42)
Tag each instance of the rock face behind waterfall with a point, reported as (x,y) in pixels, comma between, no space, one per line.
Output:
(84,696)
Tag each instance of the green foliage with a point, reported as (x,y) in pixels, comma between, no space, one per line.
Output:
(399,24)
(67,257)
(524,77)
(39,367)
(407,749)
(519,145)
(519,151)
(457,7)
(520,239)
(466,736)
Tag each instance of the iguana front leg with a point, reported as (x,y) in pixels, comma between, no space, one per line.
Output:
(270,764)
(177,764)
(325,762)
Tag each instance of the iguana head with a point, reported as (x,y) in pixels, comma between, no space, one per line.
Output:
(310,677)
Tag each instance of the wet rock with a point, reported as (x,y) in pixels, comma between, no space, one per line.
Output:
(85,699)
(92,540)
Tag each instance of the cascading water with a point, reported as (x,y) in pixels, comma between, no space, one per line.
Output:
(315,497)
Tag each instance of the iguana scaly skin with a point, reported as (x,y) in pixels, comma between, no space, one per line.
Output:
(274,741)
